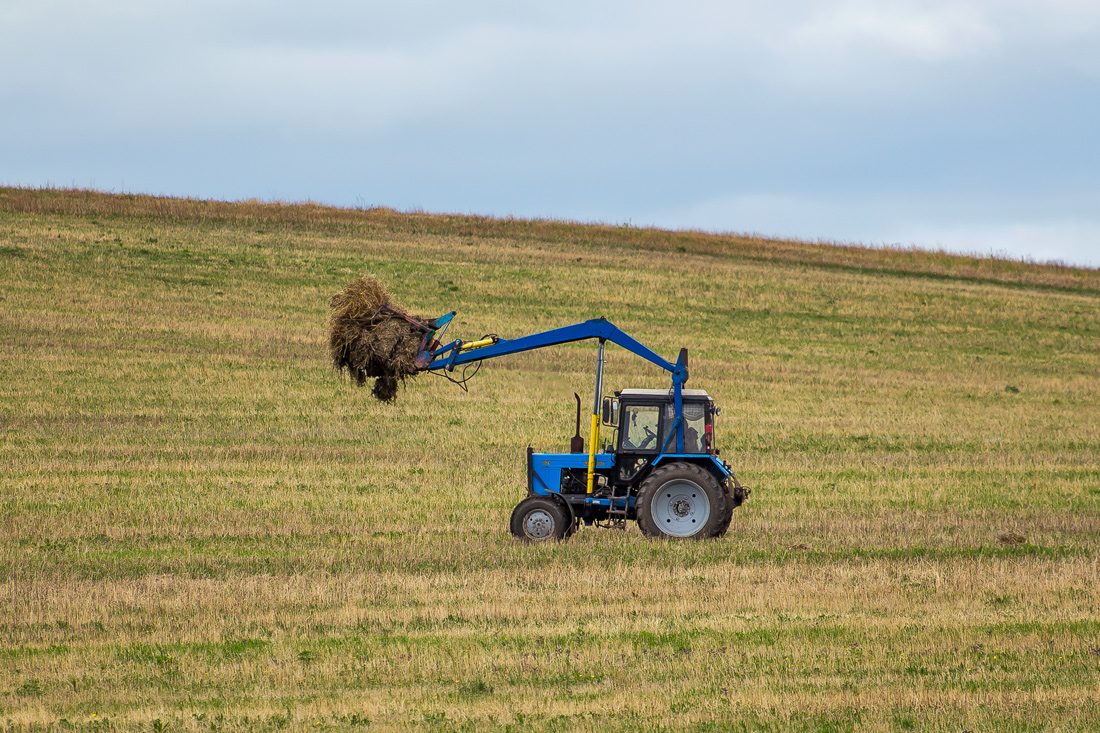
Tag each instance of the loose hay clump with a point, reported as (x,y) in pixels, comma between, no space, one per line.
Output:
(1011,539)
(371,336)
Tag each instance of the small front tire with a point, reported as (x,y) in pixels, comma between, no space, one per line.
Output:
(539,519)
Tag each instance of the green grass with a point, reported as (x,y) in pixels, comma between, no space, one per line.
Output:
(204,528)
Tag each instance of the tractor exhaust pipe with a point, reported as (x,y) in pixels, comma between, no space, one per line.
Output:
(576,443)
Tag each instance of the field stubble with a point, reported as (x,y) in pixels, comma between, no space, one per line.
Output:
(205,528)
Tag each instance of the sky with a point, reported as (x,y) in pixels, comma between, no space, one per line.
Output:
(971,126)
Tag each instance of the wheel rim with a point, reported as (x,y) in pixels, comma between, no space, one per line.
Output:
(680,508)
(538,525)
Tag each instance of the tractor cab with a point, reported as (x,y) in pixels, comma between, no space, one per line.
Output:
(643,421)
(642,424)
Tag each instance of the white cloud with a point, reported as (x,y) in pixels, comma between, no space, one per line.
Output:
(381,64)
(927,31)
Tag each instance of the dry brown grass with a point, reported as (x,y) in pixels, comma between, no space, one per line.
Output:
(385,222)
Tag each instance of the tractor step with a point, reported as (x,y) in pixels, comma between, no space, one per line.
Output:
(618,508)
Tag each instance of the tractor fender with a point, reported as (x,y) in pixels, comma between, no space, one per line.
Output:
(716,467)
(707,462)
(564,504)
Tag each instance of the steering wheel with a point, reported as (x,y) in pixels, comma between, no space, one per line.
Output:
(649,440)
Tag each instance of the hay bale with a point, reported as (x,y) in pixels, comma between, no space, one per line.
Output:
(370,336)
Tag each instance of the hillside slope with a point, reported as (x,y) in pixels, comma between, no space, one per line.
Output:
(204,526)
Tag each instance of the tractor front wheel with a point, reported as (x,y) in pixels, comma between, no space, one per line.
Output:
(540,518)
(681,501)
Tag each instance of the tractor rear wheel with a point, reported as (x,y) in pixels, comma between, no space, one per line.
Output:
(681,501)
(539,519)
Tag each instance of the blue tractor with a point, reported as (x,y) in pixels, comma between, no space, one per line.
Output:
(658,465)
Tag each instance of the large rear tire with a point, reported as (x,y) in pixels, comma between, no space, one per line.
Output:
(540,519)
(682,501)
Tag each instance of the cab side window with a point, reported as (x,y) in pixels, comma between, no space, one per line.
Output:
(639,427)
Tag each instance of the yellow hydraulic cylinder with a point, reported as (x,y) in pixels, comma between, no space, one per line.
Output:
(477,344)
(594,439)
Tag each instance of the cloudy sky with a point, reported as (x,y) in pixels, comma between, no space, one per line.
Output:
(968,125)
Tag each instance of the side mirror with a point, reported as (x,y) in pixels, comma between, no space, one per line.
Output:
(610,412)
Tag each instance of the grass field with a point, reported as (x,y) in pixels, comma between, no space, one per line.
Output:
(204,528)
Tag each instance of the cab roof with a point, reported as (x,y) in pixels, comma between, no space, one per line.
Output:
(662,393)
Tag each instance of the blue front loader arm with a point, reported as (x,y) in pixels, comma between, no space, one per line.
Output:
(452,355)
(458,353)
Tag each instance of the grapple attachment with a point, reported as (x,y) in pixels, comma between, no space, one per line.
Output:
(432,338)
